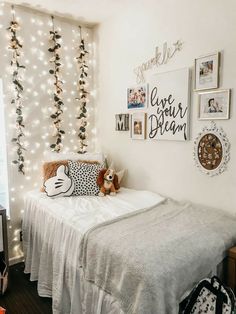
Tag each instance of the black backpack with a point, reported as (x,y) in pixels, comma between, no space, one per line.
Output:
(210,296)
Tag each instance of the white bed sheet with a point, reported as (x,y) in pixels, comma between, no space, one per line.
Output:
(52,230)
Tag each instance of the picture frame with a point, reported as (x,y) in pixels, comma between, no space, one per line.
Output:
(211,150)
(207,71)
(214,105)
(169,106)
(137,97)
(138,126)
(122,122)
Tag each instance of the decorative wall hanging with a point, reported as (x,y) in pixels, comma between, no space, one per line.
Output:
(16,46)
(212,150)
(207,71)
(137,97)
(83,94)
(122,122)
(138,126)
(161,57)
(214,105)
(54,38)
(168,111)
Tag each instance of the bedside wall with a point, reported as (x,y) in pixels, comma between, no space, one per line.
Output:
(130,38)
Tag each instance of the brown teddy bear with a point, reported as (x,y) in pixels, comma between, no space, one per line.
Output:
(108,182)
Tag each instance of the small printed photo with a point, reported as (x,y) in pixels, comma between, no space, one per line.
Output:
(138,126)
(122,122)
(206,69)
(137,97)
(214,105)
(207,72)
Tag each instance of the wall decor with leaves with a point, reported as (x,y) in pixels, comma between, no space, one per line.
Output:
(56,116)
(15,45)
(83,93)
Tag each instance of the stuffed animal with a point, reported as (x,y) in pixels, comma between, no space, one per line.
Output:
(108,182)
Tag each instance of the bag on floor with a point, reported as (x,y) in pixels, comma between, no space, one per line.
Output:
(3,276)
(2,310)
(210,296)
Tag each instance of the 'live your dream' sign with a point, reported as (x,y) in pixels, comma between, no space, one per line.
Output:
(168,110)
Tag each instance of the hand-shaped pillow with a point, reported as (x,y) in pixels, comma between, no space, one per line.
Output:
(59,185)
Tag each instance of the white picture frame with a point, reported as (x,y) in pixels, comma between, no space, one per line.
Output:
(210,152)
(169,106)
(214,105)
(207,71)
(138,126)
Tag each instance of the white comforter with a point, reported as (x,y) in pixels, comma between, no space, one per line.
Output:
(52,230)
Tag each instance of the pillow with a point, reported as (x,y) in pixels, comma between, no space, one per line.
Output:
(53,156)
(60,184)
(84,176)
(50,169)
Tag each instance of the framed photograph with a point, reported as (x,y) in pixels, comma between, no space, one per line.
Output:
(138,126)
(214,105)
(212,150)
(207,71)
(137,97)
(122,122)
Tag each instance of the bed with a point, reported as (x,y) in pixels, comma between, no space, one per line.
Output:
(66,239)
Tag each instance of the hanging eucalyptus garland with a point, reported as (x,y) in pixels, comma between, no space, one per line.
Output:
(58,83)
(15,46)
(83,94)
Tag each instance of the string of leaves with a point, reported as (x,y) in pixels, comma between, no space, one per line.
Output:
(83,94)
(16,46)
(54,38)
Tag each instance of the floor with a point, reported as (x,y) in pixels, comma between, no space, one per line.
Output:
(21,296)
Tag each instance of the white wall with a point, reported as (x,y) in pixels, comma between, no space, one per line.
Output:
(37,101)
(130,38)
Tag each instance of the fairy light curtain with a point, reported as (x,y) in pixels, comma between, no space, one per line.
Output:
(16,46)
(38,87)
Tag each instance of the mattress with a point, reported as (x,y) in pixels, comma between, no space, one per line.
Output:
(52,230)
(52,233)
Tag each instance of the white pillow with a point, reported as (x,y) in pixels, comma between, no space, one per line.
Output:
(61,184)
(53,156)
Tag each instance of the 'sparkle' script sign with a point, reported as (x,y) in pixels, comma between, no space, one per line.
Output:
(168,116)
(161,57)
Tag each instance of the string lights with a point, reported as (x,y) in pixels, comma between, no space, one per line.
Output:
(83,94)
(38,89)
(57,98)
(15,46)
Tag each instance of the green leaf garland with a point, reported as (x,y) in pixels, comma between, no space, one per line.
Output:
(15,46)
(54,38)
(83,94)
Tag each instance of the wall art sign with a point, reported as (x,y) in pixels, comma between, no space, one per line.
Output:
(169,102)
(137,97)
(138,126)
(207,71)
(212,150)
(214,105)
(162,56)
(122,122)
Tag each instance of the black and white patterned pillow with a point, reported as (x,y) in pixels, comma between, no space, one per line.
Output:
(84,176)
